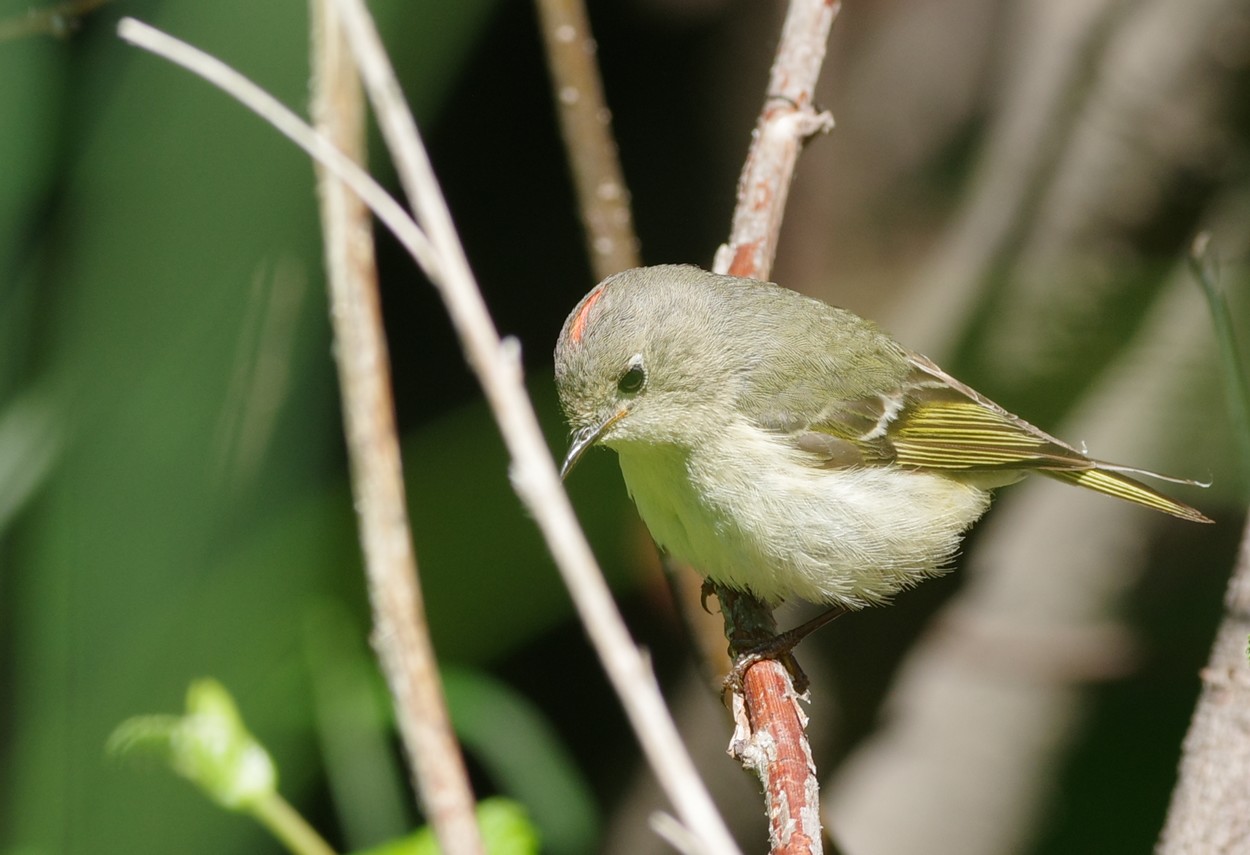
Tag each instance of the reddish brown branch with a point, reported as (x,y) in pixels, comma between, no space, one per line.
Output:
(787,120)
(775,748)
(770,739)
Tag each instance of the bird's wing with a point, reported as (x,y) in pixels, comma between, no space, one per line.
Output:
(930,420)
(933,421)
(945,424)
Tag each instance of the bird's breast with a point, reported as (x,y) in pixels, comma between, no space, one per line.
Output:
(658,479)
(748,509)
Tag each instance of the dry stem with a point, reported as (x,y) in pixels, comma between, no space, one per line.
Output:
(534,475)
(786,122)
(401,633)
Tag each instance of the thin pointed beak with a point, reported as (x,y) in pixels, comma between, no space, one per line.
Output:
(585,438)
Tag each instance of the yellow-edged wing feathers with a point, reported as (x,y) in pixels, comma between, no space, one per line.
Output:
(936,422)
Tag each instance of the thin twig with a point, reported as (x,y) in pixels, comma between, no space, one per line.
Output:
(285,823)
(586,125)
(787,121)
(534,472)
(401,631)
(315,145)
(770,738)
(534,475)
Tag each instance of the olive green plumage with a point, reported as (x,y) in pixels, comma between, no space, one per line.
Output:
(789,448)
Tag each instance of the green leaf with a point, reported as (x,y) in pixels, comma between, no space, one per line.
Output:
(209,746)
(505,827)
(525,758)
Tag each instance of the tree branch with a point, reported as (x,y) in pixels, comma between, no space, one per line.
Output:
(1210,808)
(787,120)
(401,632)
(534,474)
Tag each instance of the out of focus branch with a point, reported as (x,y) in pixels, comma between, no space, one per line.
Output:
(586,125)
(1210,810)
(989,700)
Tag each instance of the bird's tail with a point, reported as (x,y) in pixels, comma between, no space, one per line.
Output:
(1106,479)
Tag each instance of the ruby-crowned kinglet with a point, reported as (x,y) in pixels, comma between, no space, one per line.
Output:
(787,448)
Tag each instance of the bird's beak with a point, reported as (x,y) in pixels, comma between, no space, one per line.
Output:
(585,438)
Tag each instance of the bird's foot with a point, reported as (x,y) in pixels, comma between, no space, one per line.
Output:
(781,648)
(744,661)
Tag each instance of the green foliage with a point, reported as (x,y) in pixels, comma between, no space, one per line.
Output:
(1232,365)
(525,758)
(209,746)
(506,830)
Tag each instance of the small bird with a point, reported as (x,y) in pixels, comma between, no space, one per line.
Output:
(786,448)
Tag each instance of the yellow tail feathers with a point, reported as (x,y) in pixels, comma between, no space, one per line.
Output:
(1124,487)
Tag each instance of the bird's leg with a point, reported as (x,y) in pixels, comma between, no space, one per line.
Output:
(780,647)
(790,639)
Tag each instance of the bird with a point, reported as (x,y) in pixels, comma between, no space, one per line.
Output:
(786,448)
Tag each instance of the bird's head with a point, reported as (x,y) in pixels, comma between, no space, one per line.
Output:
(643,358)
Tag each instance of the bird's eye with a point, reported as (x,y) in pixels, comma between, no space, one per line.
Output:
(632,380)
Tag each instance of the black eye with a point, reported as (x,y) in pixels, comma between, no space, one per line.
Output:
(632,380)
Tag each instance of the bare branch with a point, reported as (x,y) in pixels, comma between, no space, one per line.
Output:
(247,93)
(586,124)
(534,473)
(770,740)
(786,122)
(401,632)
(612,245)
(1210,809)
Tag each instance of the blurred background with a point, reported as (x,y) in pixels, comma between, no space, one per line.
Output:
(1012,188)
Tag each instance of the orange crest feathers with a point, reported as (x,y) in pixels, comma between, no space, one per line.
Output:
(578,328)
